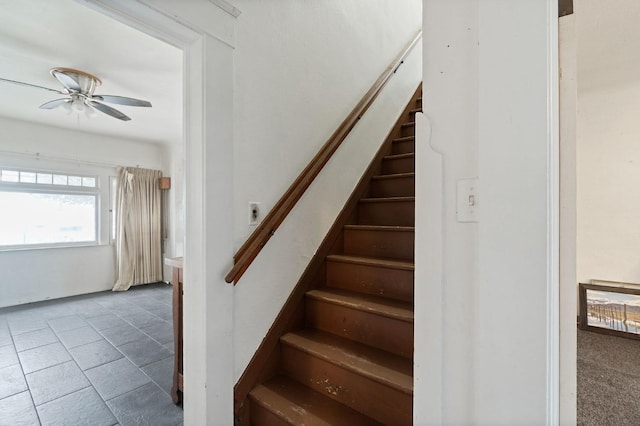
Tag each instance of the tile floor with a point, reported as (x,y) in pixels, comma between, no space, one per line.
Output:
(99,359)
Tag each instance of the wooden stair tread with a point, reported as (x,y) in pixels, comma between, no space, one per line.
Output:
(413,111)
(395,176)
(375,364)
(387,199)
(380,228)
(409,124)
(366,303)
(404,139)
(399,156)
(298,405)
(370,261)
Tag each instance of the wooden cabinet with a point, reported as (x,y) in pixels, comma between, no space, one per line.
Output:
(177,388)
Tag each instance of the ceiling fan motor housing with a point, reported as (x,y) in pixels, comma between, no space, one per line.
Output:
(87,82)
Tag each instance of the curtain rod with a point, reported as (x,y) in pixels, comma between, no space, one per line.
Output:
(39,156)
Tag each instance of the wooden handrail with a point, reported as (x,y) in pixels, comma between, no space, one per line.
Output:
(267,228)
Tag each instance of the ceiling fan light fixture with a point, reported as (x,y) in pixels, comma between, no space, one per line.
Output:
(66,107)
(79,86)
(78,105)
(90,112)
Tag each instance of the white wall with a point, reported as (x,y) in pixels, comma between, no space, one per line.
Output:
(301,67)
(608,176)
(34,275)
(444,305)
(486,88)
(608,154)
(173,166)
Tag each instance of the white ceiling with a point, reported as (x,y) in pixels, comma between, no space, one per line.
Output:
(37,35)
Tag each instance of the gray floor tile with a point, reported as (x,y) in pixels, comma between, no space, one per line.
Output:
(122,334)
(144,351)
(54,382)
(167,316)
(141,319)
(105,321)
(113,300)
(8,356)
(11,381)
(24,325)
(56,311)
(170,347)
(79,336)
(33,339)
(23,311)
(145,300)
(152,305)
(95,354)
(128,310)
(18,410)
(58,383)
(81,408)
(147,405)
(69,322)
(5,336)
(160,331)
(122,307)
(90,309)
(43,357)
(116,378)
(161,372)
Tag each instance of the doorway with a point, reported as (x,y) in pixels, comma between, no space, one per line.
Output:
(208,81)
(599,157)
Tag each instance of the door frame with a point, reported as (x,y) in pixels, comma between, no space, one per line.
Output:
(207,106)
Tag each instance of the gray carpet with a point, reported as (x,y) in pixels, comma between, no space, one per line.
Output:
(608,380)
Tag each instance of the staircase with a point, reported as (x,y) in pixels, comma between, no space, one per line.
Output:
(351,360)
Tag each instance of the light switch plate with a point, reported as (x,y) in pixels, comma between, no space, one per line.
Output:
(254,213)
(467,200)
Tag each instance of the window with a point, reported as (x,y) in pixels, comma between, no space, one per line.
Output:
(47,209)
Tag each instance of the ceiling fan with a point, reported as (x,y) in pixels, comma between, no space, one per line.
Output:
(79,87)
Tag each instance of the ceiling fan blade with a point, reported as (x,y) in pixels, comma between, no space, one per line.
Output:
(32,85)
(108,110)
(66,81)
(54,104)
(121,100)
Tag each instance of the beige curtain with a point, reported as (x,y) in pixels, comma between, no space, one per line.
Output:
(138,228)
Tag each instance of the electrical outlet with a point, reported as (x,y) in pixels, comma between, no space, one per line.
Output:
(254,213)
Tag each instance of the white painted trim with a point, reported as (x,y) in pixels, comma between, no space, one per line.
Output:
(227,7)
(568,257)
(145,16)
(429,278)
(553,219)
(195,266)
(146,19)
(211,25)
